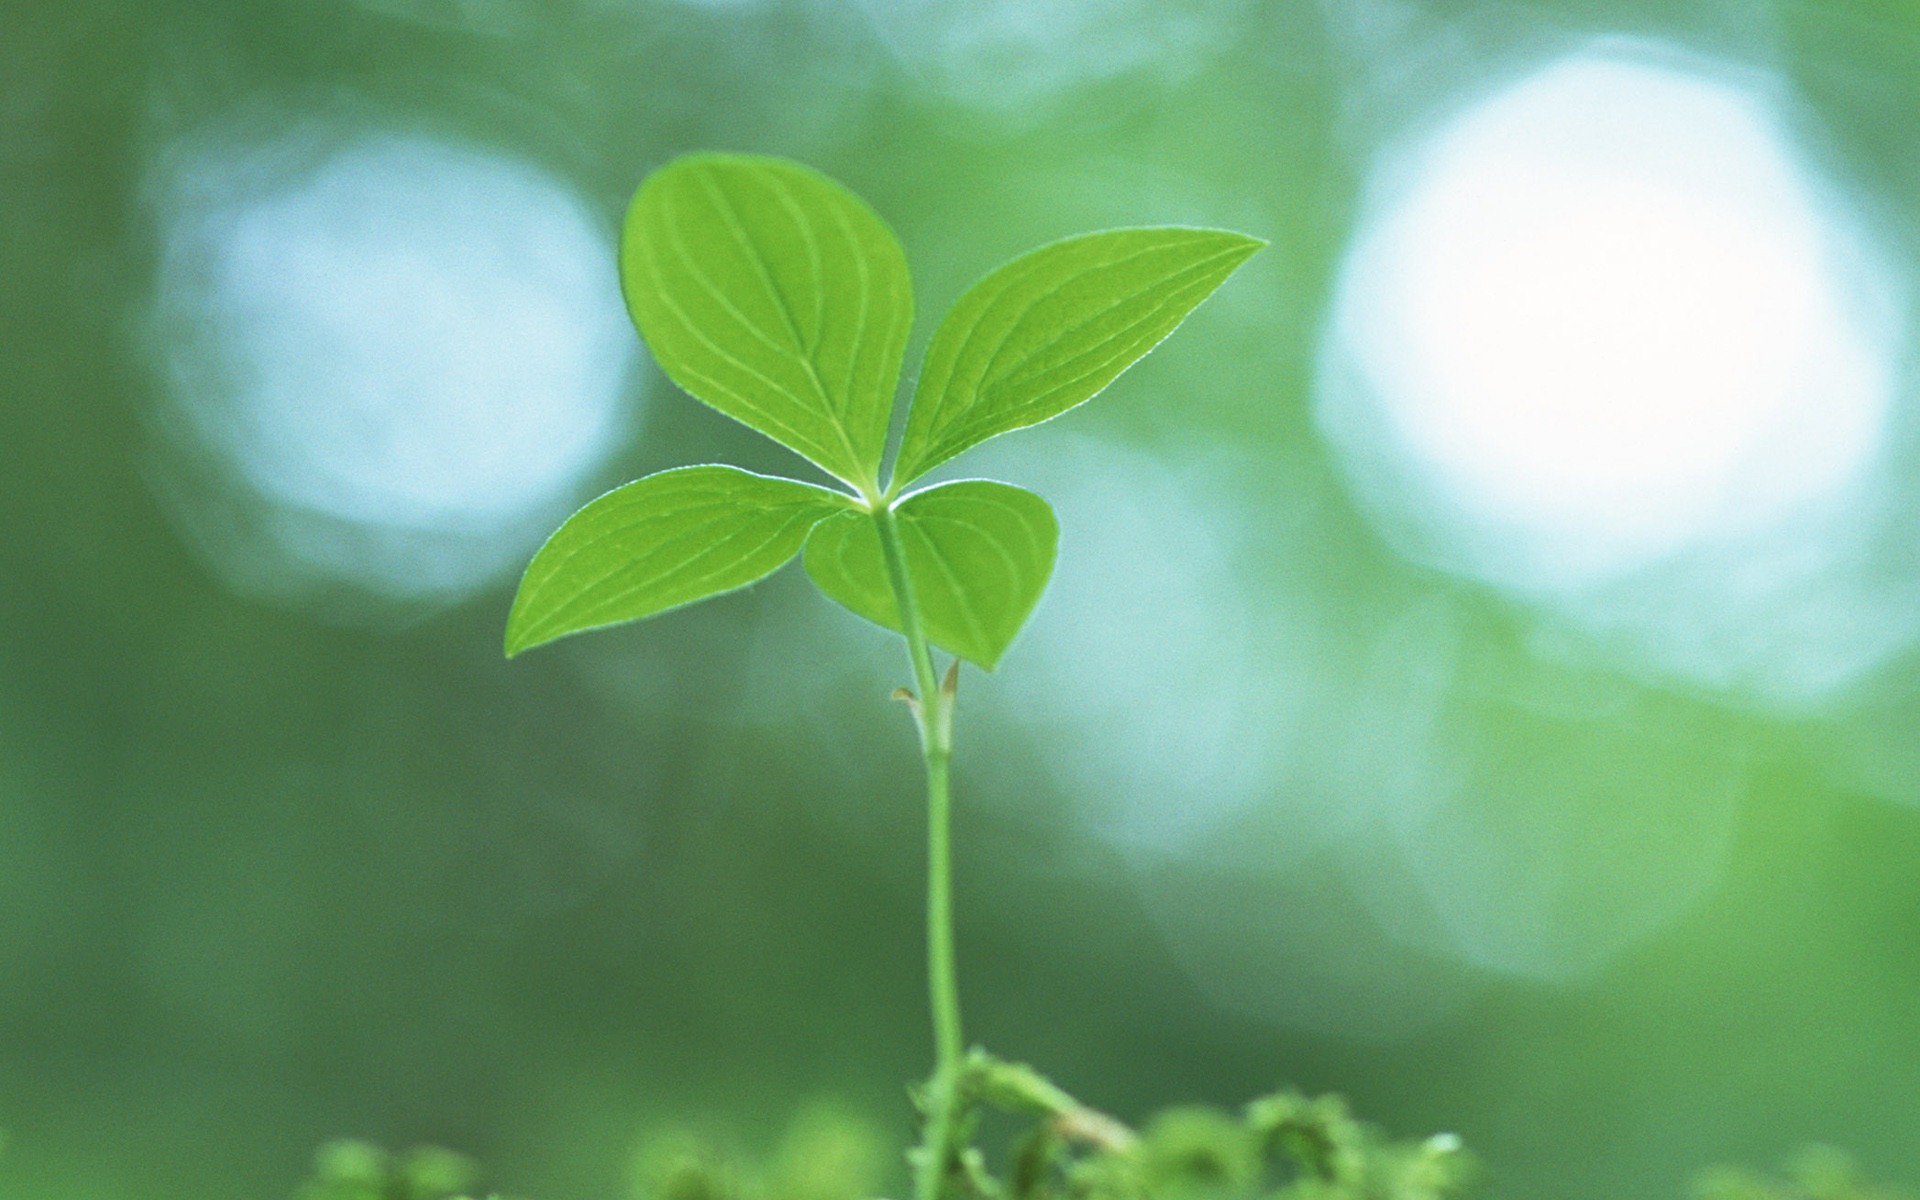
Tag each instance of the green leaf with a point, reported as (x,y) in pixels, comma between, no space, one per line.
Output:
(776,296)
(1050,329)
(660,542)
(978,555)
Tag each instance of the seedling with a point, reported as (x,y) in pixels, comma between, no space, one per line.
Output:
(781,299)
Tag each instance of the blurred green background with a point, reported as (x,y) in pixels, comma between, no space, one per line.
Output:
(1316,766)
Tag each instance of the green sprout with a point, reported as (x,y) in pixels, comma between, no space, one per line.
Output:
(780,298)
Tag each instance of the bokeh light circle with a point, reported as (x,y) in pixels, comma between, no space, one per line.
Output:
(1604,316)
(404,355)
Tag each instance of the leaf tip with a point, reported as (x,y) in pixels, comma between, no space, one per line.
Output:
(522,633)
(1246,244)
(516,641)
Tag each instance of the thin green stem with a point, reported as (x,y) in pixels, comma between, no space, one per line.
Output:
(933,710)
(930,710)
(942,983)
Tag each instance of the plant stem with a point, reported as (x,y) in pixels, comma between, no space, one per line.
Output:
(933,710)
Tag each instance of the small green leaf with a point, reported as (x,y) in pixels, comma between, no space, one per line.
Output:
(660,542)
(978,555)
(1050,329)
(776,296)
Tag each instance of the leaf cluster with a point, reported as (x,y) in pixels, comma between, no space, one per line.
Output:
(1283,1147)
(1816,1173)
(826,1153)
(1286,1146)
(779,298)
(355,1170)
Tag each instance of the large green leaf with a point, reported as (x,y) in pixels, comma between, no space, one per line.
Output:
(978,554)
(660,542)
(775,295)
(1050,329)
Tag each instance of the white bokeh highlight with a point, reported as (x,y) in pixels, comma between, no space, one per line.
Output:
(1606,324)
(413,353)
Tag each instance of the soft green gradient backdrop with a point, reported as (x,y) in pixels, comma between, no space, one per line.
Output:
(274,870)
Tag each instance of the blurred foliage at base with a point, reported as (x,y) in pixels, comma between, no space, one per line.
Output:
(1282,1147)
(1816,1173)
(359,1171)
